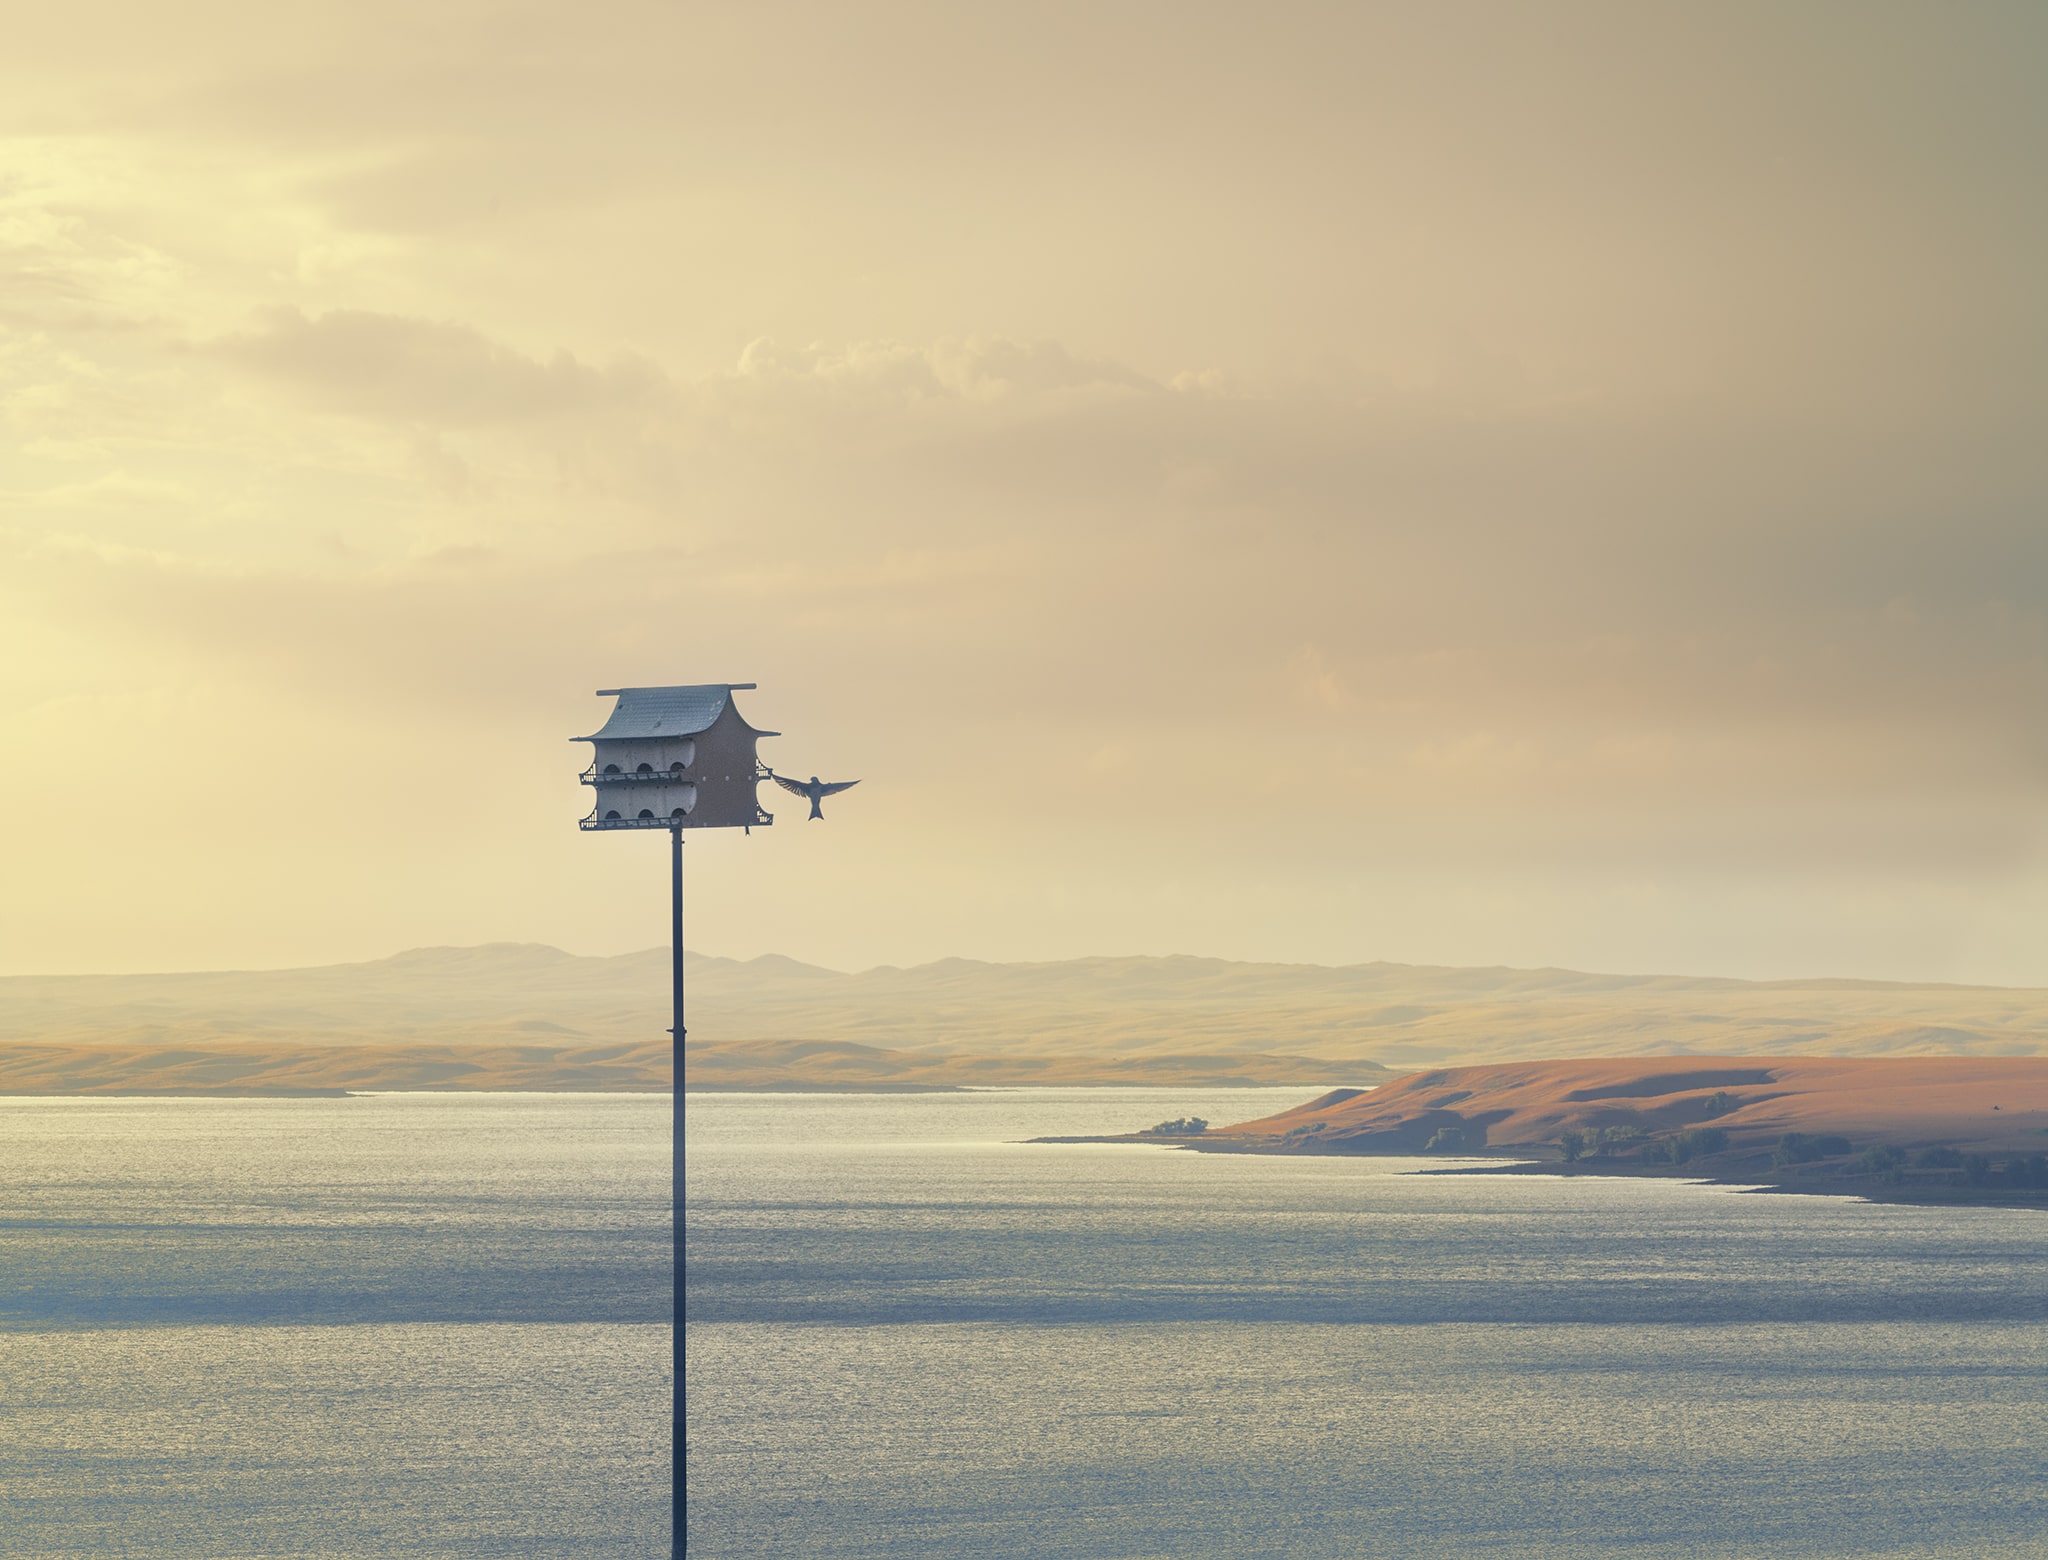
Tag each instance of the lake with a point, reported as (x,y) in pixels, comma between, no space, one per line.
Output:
(400,1325)
(911,1334)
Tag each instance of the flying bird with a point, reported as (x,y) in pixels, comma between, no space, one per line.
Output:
(814,791)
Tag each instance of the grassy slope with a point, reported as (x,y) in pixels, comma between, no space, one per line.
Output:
(1995,1108)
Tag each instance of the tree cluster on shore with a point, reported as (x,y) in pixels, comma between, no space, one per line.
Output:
(1680,1148)
(1881,1162)
(1803,1148)
(1598,1141)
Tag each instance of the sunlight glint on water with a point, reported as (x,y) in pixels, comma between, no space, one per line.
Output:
(912,1335)
(404,1325)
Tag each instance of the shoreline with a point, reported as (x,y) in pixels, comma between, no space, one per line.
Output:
(1751,1174)
(837,1088)
(185,1094)
(1766,1181)
(310,1093)
(979,1086)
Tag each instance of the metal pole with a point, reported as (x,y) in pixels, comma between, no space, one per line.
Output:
(675,1193)
(675,938)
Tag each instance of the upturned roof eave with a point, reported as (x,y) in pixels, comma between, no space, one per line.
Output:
(643,726)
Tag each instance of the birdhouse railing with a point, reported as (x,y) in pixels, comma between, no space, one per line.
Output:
(603,820)
(617,776)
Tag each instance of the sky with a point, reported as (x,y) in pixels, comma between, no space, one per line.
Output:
(1447,483)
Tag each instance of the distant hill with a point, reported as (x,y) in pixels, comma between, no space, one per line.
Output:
(545,1014)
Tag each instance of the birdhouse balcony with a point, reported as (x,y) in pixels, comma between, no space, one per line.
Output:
(642,807)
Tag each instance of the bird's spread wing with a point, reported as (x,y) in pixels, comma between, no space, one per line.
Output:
(789,785)
(836,788)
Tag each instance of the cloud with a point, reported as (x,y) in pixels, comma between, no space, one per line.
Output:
(1646,600)
(116,490)
(977,369)
(1316,682)
(387,366)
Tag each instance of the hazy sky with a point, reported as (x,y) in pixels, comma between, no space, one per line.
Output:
(1473,484)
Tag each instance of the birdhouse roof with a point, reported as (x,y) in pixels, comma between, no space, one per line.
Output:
(666,712)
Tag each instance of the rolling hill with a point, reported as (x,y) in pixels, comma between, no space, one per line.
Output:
(529,1016)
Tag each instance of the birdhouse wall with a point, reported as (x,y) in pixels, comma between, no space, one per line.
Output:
(727,773)
(660,754)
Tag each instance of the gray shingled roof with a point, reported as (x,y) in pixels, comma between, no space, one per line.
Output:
(664,712)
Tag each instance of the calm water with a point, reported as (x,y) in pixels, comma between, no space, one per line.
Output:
(910,1335)
(406,1325)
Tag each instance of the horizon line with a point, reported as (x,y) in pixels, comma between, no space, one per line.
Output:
(1089,958)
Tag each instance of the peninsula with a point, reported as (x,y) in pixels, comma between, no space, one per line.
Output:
(1949,1129)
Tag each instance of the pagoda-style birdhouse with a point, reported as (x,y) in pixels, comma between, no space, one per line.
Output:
(675,758)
